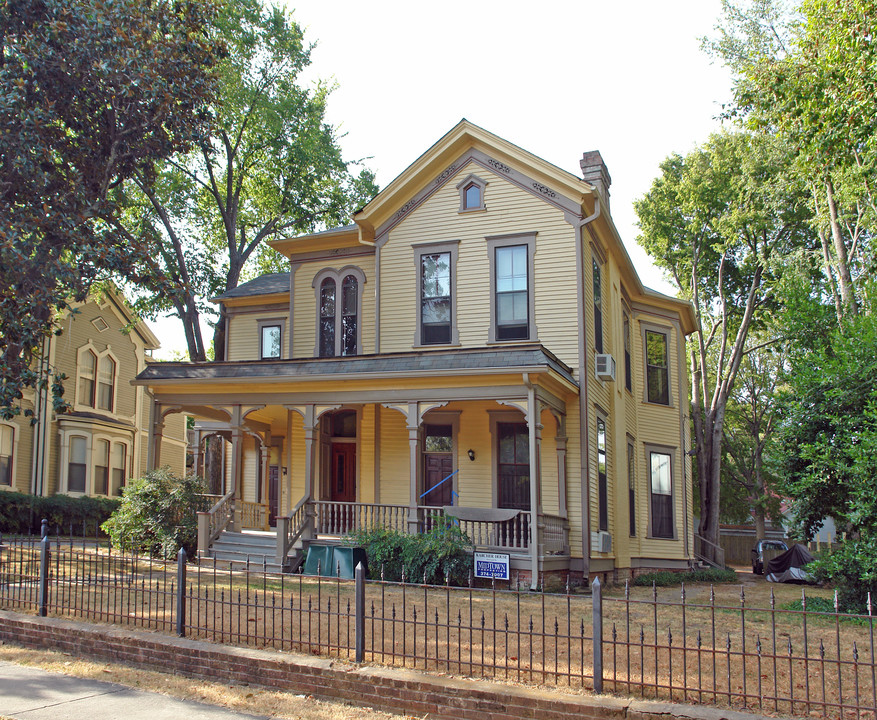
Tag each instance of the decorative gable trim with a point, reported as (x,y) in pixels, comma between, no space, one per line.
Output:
(521,180)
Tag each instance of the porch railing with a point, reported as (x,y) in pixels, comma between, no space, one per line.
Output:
(554,534)
(253,515)
(291,527)
(340,518)
(708,552)
(214,521)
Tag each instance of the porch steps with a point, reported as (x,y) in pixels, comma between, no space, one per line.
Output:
(236,548)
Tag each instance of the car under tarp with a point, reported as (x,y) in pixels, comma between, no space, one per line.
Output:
(788,567)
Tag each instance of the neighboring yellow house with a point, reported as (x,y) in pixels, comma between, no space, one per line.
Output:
(104,440)
(478,338)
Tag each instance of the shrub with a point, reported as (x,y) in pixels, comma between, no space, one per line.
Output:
(852,570)
(444,551)
(23,514)
(669,579)
(157,514)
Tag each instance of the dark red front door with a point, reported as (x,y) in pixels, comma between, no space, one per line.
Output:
(342,487)
(436,467)
(273,494)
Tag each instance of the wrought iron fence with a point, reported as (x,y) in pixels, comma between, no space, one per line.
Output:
(681,645)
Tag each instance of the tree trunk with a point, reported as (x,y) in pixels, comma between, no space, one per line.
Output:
(847,290)
(213,464)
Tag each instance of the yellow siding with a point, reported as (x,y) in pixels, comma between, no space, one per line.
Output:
(243,334)
(365,461)
(394,474)
(509,210)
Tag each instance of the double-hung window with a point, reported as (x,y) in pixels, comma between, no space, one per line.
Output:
(270,340)
(435,299)
(436,267)
(598,308)
(101,467)
(7,435)
(511,278)
(106,383)
(602,482)
(661,486)
(628,380)
(657,368)
(87,371)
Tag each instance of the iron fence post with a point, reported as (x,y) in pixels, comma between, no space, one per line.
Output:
(181,593)
(597,602)
(359,610)
(43,599)
(44,528)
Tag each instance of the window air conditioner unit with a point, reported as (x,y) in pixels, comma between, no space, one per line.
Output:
(601,542)
(604,368)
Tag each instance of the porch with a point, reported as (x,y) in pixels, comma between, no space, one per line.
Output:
(507,531)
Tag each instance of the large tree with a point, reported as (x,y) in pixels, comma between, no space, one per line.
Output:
(808,73)
(91,93)
(271,167)
(749,456)
(717,220)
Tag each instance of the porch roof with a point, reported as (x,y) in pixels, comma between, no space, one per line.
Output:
(480,361)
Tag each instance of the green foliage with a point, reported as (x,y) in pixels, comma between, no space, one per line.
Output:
(91,92)
(670,579)
(444,551)
(23,514)
(852,570)
(829,436)
(271,167)
(157,514)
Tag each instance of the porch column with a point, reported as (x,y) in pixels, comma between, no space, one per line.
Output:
(413,426)
(263,492)
(236,455)
(196,454)
(310,427)
(534,436)
(157,433)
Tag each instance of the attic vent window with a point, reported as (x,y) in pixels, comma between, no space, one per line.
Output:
(100,324)
(472,196)
(471,190)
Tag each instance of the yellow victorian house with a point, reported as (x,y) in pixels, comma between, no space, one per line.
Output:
(477,343)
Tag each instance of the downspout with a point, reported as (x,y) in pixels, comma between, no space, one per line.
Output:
(682,383)
(585,454)
(534,482)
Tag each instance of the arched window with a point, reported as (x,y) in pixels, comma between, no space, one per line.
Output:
(327,318)
(471,189)
(472,196)
(77,466)
(339,298)
(348,315)
(87,370)
(106,383)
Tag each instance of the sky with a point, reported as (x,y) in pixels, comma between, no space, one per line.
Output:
(627,78)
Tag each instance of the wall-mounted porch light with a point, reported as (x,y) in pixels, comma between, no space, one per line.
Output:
(471,454)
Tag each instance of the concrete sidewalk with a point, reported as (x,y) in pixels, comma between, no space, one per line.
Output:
(27,693)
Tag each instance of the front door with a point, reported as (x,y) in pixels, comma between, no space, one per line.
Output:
(342,486)
(273,494)
(438,465)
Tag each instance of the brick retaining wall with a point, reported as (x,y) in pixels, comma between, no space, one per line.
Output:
(388,689)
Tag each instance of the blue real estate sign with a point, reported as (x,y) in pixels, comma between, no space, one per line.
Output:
(491,565)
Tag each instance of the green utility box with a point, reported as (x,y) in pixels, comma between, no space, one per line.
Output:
(334,560)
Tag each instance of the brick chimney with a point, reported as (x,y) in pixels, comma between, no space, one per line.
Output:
(594,171)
